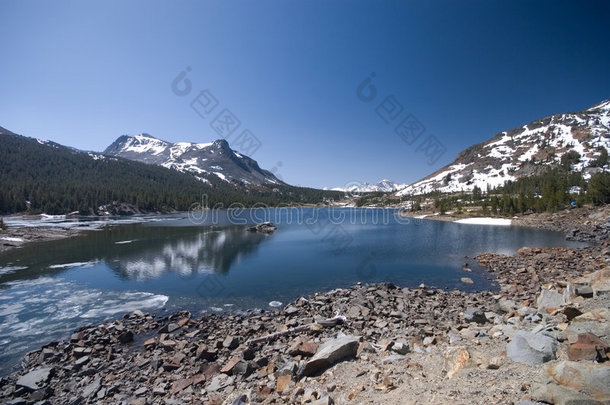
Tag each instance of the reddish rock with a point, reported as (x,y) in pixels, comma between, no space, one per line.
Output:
(588,347)
(182,384)
(282,383)
(210,369)
(228,367)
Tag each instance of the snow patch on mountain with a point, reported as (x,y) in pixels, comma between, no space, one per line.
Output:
(523,151)
(385,186)
(215,159)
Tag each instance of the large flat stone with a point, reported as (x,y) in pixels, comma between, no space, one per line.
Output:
(36,379)
(329,353)
(549,300)
(595,322)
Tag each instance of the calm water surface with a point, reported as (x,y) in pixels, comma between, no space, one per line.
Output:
(211,263)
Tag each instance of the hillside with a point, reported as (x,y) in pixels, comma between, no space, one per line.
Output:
(525,151)
(42,176)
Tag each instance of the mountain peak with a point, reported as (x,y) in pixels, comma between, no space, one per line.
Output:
(215,159)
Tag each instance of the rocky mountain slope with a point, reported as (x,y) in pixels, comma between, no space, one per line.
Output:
(384,186)
(201,159)
(524,151)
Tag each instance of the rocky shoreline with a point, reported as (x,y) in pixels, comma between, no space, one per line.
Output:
(389,345)
(543,337)
(12,238)
(586,224)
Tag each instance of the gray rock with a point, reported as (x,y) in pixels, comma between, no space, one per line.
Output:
(323,401)
(474,315)
(530,348)
(92,389)
(241,400)
(400,348)
(231,342)
(506,306)
(329,353)
(549,299)
(392,358)
(35,379)
(126,337)
(585,291)
(596,322)
(291,310)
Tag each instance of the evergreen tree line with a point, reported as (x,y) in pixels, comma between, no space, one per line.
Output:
(545,192)
(53,179)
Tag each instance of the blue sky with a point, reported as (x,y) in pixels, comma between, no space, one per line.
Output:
(82,73)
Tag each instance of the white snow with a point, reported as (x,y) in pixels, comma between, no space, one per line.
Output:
(222,176)
(485,221)
(143,143)
(9,239)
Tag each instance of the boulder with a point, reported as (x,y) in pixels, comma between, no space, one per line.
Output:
(35,379)
(570,382)
(588,347)
(600,282)
(549,300)
(329,353)
(506,306)
(532,348)
(595,322)
(455,359)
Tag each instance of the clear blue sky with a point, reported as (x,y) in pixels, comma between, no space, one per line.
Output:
(81,73)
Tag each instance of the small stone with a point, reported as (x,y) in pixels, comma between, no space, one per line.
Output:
(475,315)
(585,292)
(455,359)
(92,389)
(180,385)
(466,280)
(291,310)
(400,348)
(228,367)
(230,342)
(140,391)
(126,337)
(169,328)
(282,383)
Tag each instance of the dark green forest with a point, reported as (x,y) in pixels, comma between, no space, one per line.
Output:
(46,177)
(545,192)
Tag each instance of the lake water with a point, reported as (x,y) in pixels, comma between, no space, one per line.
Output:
(207,261)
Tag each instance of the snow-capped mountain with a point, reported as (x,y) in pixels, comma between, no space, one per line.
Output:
(523,151)
(385,186)
(201,159)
